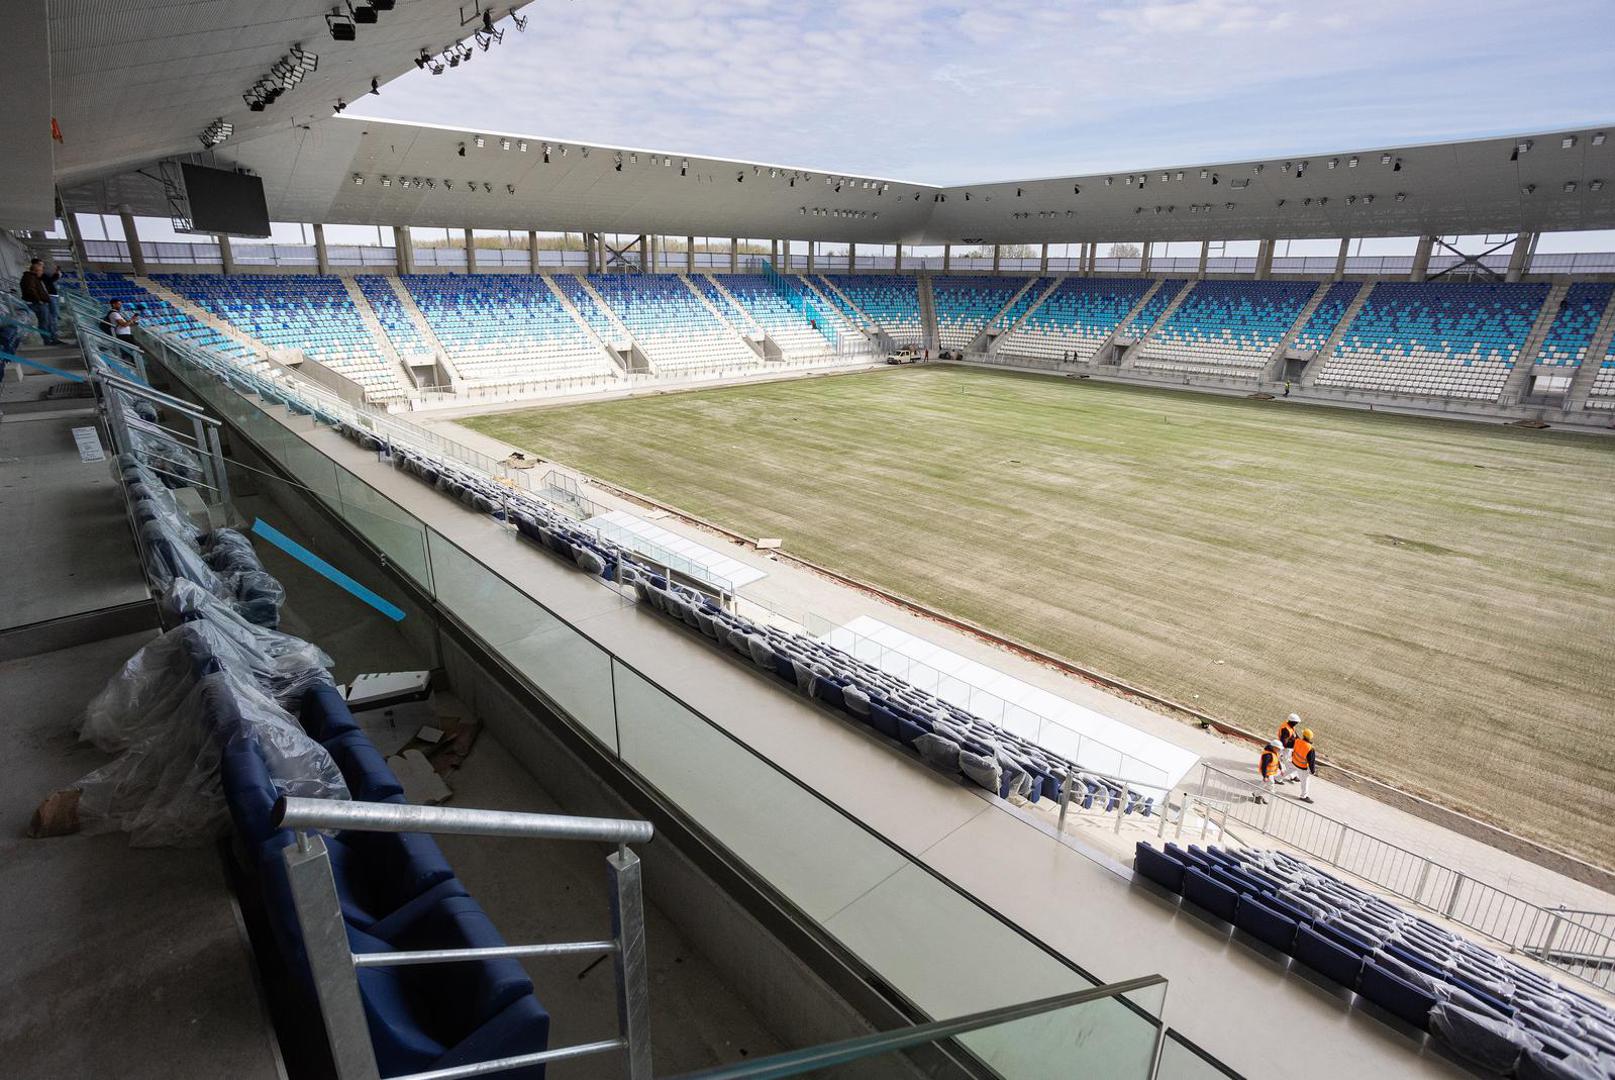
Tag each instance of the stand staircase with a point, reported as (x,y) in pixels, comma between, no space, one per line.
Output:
(378,333)
(1310,375)
(1273,371)
(1597,348)
(1518,384)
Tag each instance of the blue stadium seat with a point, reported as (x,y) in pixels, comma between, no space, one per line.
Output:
(1159,867)
(1327,957)
(1399,998)
(1201,889)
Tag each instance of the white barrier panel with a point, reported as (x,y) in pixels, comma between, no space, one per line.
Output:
(1080,734)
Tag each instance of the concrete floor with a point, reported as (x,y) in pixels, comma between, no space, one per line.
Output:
(62,521)
(119,961)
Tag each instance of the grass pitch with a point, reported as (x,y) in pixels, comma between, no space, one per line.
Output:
(1437,599)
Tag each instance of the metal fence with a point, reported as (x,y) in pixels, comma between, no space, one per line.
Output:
(1578,943)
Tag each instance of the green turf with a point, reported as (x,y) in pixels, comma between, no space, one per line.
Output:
(1437,599)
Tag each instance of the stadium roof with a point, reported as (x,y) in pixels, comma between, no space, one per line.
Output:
(1481,186)
(135,82)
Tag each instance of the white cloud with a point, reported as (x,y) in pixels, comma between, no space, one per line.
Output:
(949,92)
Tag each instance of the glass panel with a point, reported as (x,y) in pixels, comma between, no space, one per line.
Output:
(1178,1062)
(381,521)
(807,849)
(559,662)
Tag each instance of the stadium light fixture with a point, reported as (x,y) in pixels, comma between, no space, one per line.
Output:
(1334,162)
(1523,146)
(1595,185)
(448,185)
(1109,180)
(341,27)
(522,146)
(617,164)
(1528,189)
(1227,206)
(423,59)
(339,106)
(1567,143)
(404,182)
(584,150)
(684,167)
(1598,138)
(461,150)
(375,86)
(386,181)
(358,181)
(364,13)
(437,66)
(1397,167)
(1385,159)
(1324,201)
(481,142)
(1165,177)
(216,132)
(1570,187)
(487,188)
(1401,196)
(1368,198)
(1076,189)
(1351,162)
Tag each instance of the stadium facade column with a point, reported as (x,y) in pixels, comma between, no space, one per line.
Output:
(773,255)
(1093,257)
(734,255)
(852,257)
(1520,257)
(897,256)
(689,255)
(131,236)
(470,253)
(403,254)
(1205,254)
(1421,259)
(1264,260)
(1340,260)
(995,258)
(812,244)
(1043,266)
(75,239)
(322,257)
(947,257)
(227,255)
(1144,256)
(532,251)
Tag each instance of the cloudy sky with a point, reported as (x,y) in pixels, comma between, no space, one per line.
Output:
(951,93)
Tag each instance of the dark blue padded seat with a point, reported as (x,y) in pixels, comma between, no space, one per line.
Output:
(1265,924)
(1284,907)
(325,715)
(908,730)
(1396,996)
(378,874)
(884,720)
(1215,897)
(828,691)
(1345,938)
(1158,866)
(784,667)
(249,794)
(436,1016)
(1327,957)
(1545,1065)
(365,770)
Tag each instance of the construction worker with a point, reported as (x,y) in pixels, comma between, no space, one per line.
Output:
(1287,731)
(1302,763)
(1268,767)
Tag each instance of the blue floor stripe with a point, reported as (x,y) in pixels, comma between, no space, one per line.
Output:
(320,566)
(13,358)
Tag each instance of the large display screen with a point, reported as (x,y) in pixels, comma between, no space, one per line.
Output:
(226,202)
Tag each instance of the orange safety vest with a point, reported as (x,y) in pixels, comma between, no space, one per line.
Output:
(1286,733)
(1299,753)
(1269,765)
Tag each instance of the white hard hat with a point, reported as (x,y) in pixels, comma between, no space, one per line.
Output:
(1295,718)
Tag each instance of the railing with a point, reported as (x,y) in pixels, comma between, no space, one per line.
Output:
(1052,1046)
(335,967)
(1091,754)
(813,856)
(1577,943)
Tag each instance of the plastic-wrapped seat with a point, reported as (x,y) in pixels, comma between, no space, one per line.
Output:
(1395,995)
(1201,889)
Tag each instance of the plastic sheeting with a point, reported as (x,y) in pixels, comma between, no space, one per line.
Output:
(153,681)
(164,788)
(1493,1044)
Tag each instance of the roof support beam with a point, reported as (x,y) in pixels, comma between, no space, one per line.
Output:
(131,236)
(532,251)
(470,253)
(227,255)
(1264,259)
(1205,254)
(322,258)
(1421,259)
(1520,258)
(1340,259)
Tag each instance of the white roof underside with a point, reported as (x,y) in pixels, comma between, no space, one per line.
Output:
(135,81)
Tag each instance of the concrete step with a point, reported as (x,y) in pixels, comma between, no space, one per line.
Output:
(1275,364)
(723,318)
(378,333)
(201,315)
(1519,380)
(422,327)
(583,324)
(1315,365)
(1597,348)
(1027,314)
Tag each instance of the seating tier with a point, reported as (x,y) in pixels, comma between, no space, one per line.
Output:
(1077,318)
(1436,339)
(1226,327)
(965,305)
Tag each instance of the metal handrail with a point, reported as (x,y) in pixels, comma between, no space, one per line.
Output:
(829,1055)
(293,813)
(334,966)
(1518,924)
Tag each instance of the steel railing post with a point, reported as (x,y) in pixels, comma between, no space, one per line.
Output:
(1452,897)
(1065,800)
(633,988)
(218,458)
(325,942)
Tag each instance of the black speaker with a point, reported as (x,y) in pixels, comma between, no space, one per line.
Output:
(343,31)
(364,13)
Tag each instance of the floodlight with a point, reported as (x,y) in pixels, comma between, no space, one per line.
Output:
(1528,189)
(510,189)
(1401,196)
(358,181)
(375,86)
(1570,187)
(1598,138)
(383,5)
(1567,142)
(461,151)
(341,26)
(364,13)
(481,142)
(522,146)
(386,181)
(1385,159)
(1595,185)
(1351,163)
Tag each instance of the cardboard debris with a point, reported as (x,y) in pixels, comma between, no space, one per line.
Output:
(422,785)
(768,543)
